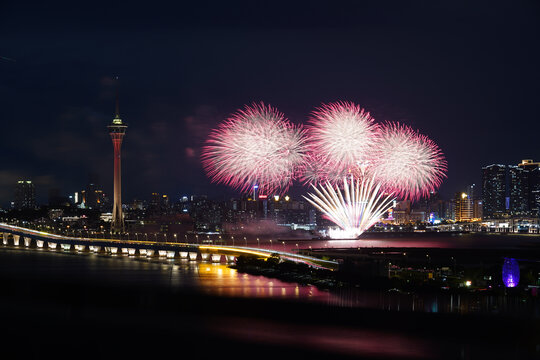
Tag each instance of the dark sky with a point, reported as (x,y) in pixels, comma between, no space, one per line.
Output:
(466,75)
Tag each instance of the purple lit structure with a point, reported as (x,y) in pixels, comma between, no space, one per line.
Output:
(510,272)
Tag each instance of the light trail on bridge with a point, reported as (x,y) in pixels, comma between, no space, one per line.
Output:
(219,249)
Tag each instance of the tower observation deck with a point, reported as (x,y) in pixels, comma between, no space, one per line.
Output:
(117,130)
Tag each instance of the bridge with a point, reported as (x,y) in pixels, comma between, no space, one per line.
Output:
(25,237)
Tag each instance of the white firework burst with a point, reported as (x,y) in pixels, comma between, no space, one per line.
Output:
(407,163)
(342,135)
(355,209)
(255,146)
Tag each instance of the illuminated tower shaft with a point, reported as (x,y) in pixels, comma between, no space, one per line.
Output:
(117,131)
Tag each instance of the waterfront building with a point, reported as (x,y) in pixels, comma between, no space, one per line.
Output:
(25,195)
(533,179)
(518,191)
(511,190)
(463,207)
(494,199)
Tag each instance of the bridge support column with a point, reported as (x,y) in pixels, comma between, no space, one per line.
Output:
(171,254)
(66,247)
(40,243)
(16,240)
(142,252)
(52,245)
(132,251)
(216,258)
(27,241)
(205,256)
(162,253)
(193,256)
(5,238)
(183,254)
(149,252)
(231,258)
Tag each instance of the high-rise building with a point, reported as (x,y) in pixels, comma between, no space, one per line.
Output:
(494,199)
(25,195)
(463,207)
(117,130)
(533,175)
(509,190)
(518,190)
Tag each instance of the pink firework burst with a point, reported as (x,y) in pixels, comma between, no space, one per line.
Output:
(255,146)
(342,136)
(407,163)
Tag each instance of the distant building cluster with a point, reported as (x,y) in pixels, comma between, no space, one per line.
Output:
(509,200)
(511,190)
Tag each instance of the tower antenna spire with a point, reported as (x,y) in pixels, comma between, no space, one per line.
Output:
(117,115)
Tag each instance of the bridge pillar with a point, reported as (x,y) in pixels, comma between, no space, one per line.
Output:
(193,256)
(27,241)
(52,245)
(5,238)
(231,258)
(150,252)
(162,253)
(183,254)
(205,256)
(66,247)
(142,252)
(125,251)
(171,254)
(80,248)
(132,251)
(16,240)
(40,243)
(216,258)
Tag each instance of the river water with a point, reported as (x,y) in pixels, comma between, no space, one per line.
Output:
(221,280)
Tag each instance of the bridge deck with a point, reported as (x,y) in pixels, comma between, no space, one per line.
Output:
(170,246)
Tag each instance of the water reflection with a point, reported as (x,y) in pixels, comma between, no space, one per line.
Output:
(219,279)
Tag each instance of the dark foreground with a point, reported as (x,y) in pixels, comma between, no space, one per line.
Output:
(54,318)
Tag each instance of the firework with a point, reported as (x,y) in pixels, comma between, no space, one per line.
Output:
(255,146)
(342,136)
(317,171)
(355,209)
(407,163)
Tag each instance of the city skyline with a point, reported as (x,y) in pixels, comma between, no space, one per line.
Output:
(173,95)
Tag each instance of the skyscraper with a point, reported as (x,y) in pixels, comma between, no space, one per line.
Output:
(463,206)
(494,191)
(509,190)
(533,175)
(25,195)
(117,130)
(518,190)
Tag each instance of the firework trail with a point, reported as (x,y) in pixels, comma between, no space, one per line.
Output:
(342,135)
(255,146)
(406,162)
(355,209)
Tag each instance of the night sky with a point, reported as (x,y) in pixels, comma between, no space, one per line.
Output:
(465,75)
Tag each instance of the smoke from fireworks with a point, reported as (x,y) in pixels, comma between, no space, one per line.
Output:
(255,146)
(342,135)
(407,163)
(356,209)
